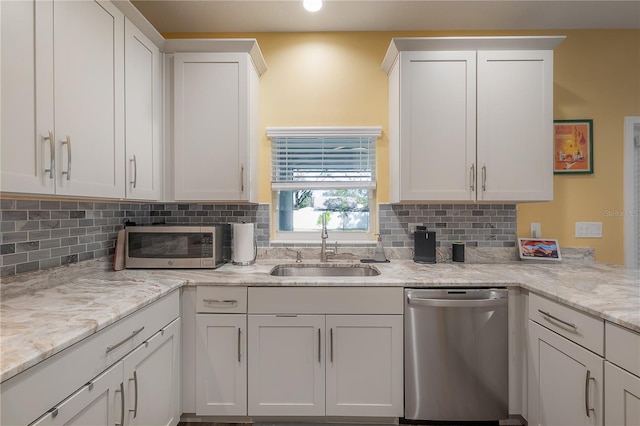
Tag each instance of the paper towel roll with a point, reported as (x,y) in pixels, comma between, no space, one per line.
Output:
(244,245)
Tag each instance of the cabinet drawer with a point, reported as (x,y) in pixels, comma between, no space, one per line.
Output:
(65,372)
(579,327)
(228,300)
(326,300)
(623,347)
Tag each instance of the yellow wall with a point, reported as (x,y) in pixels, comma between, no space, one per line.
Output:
(322,79)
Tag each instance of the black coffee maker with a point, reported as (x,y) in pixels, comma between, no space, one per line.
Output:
(424,245)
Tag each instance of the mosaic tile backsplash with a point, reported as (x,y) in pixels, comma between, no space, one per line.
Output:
(478,225)
(38,234)
(42,234)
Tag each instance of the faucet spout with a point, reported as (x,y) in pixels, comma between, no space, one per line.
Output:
(325,253)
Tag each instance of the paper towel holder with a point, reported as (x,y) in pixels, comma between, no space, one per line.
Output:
(244,247)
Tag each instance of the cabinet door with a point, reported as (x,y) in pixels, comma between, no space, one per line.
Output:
(142,110)
(364,365)
(565,381)
(210,126)
(622,402)
(98,403)
(221,364)
(437,130)
(515,125)
(27,147)
(286,367)
(89,98)
(152,379)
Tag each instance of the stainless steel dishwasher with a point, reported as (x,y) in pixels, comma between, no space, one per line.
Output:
(455,354)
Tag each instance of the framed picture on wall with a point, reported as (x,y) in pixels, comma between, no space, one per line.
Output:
(573,146)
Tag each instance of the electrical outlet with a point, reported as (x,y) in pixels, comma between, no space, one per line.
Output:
(536,230)
(588,229)
(412,227)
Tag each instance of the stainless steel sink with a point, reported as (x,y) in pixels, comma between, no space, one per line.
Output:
(322,270)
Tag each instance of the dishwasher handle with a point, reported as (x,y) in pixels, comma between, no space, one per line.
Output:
(456,303)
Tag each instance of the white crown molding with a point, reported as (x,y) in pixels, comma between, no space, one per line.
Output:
(410,44)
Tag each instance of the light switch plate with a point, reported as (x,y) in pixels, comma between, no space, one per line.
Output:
(588,229)
(536,230)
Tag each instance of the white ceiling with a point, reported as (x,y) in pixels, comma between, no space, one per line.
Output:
(388,15)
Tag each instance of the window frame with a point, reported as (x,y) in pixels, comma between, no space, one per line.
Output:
(355,237)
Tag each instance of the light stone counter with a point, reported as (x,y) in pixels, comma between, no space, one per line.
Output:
(45,312)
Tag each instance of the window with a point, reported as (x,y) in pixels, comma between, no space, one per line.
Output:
(326,171)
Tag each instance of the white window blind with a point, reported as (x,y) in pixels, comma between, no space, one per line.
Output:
(323,157)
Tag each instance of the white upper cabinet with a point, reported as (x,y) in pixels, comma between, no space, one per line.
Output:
(215,124)
(75,56)
(143,100)
(515,125)
(437,102)
(27,144)
(471,119)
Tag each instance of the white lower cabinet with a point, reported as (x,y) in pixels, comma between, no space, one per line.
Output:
(333,365)
(364,371)
(151,374)
(142,389)
(622,402)
(286,366)
(622,376)
(98,403)
(565,381)
(125,374)
(221,364)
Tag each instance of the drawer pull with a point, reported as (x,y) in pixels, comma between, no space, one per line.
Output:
(125,340)
(586,393)
(68,144)
(472,177)
(52,161)
(54,412)
(135,391)
(331,340)
(547,315)
(239,343)
(227,301)
(121,390)
(319,346)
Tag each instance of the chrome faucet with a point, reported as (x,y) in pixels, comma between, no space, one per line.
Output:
(325,253)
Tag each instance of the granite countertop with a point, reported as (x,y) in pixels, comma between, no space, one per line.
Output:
(45,312)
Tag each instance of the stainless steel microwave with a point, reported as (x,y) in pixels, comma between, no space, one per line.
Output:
(176,246)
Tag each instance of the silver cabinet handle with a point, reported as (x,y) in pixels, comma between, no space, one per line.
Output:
(121,390)
(68,143)
(319,345)
(484,178)
(135,171)
(331,342)
(135,391)
(239,342)
(228,301)
(550,317)
(448,303)
(586,393)
(242,178)
(52,148)
(126,339)
(472,177)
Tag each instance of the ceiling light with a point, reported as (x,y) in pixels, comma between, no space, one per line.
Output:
(312,5)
